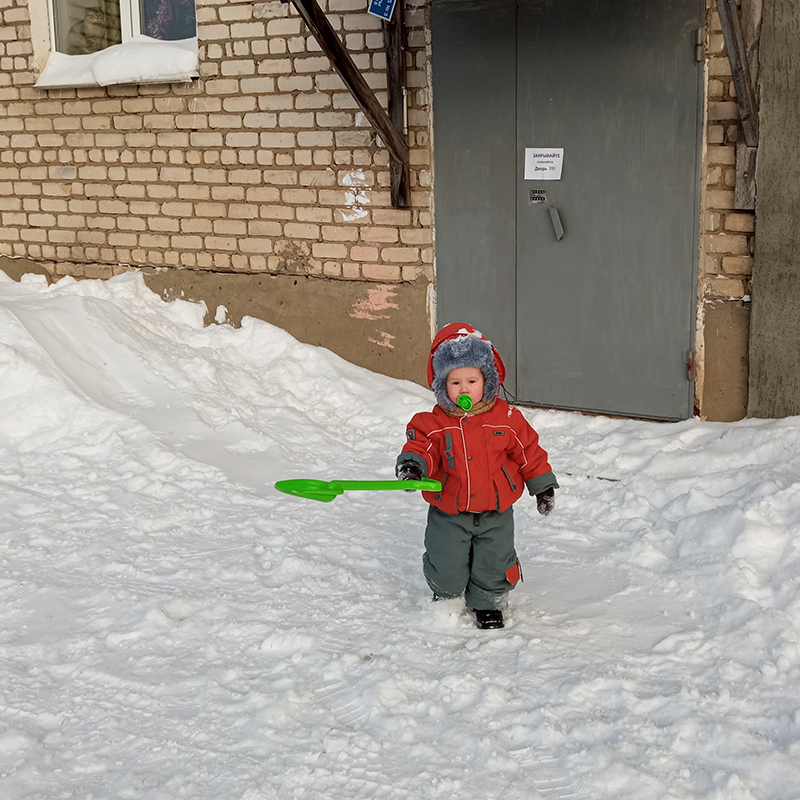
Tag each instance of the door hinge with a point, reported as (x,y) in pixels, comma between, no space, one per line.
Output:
(691,371)
(699,45)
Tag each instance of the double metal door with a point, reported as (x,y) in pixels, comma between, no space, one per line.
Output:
(586,284)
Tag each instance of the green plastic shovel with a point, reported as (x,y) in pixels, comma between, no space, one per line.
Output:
(325,491)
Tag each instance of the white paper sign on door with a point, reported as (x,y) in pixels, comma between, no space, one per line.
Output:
(543,163)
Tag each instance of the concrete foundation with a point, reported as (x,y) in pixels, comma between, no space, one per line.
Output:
(15,268)
(726,333)
(381,326)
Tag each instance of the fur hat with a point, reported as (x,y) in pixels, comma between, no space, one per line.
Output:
(460,345)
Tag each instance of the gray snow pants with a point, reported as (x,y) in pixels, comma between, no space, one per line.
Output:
(473,555)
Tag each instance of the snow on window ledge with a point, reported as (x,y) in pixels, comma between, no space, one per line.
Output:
(140,60)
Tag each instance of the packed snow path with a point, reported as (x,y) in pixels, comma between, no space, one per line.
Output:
(174,628)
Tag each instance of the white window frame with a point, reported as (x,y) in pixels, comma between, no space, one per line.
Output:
(131,22)
(177,61)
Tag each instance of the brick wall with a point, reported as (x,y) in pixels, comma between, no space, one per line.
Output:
(727,236)
(727,239)
(264,164)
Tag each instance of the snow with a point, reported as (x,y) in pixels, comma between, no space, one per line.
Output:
(139,60)
(176,628)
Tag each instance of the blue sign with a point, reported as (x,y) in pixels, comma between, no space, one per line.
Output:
(381,8)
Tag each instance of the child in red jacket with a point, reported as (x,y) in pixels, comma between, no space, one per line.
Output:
(483,451)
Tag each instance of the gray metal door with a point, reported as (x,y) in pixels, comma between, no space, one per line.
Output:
(475,98)
(601,291)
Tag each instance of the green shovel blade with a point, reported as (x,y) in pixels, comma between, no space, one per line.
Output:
(325,491)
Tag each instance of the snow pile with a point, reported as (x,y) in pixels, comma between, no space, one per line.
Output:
(175,628)
(142,59)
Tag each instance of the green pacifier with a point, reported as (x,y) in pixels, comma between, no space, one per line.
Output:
(464,401)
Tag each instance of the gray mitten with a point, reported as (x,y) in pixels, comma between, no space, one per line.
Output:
(409,471)
(546,501)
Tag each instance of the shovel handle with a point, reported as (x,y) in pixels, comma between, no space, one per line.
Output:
(325,491)
(425,485)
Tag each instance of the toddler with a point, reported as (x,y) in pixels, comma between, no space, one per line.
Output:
(483,451)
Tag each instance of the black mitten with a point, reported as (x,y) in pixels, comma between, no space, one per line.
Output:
(546,501)
(409,471)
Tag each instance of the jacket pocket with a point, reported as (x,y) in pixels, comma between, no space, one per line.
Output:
(509,479)
(447,498)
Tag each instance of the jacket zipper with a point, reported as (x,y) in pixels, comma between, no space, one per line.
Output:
(466,462)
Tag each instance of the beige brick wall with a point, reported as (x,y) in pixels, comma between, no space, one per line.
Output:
(727,239)
(264,164)
(726,256)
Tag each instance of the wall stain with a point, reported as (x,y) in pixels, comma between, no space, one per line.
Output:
(376,305)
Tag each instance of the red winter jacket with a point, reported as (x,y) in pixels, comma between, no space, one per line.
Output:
(483,460)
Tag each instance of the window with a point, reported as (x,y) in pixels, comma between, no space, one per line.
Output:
(103,42)
(86,26)
(80,28)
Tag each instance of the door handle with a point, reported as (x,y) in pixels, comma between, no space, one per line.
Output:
(555,218)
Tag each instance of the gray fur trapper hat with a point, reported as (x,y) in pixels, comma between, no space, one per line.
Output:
(460,345)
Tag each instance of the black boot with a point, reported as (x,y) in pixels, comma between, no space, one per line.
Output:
(489,619)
